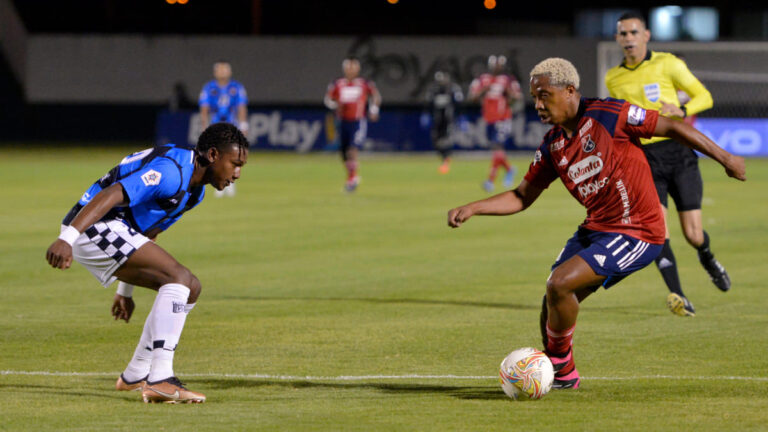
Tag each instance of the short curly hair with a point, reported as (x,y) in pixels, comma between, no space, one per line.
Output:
(220,135)
(560,71)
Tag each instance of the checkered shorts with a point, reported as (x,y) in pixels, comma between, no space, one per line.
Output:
(106,246)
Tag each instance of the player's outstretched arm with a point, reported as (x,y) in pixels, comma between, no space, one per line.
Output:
(505,203)
(689,136)
(59,254)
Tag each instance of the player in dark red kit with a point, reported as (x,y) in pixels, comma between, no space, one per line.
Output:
(348,96)
(594,148)
(498,92)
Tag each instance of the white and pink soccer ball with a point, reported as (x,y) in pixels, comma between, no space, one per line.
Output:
(527,372)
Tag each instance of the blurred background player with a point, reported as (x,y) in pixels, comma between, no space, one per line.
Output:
(348,96)
(224,100)
(498,91)
(652,80)
(443,98)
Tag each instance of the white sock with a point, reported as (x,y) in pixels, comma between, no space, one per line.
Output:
(138,367)
(167,321)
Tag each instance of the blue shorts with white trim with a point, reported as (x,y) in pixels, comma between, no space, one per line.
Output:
(612,255)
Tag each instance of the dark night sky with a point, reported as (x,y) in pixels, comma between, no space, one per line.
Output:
(283,17)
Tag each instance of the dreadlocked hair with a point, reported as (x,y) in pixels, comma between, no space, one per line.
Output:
(220,135)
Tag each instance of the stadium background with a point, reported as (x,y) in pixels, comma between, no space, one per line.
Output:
(331,311)
(111,71)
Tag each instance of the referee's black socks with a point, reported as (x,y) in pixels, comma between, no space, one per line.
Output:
(704,253)
(668,267)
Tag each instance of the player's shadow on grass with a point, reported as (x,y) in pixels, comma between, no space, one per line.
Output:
(469,392)
(391,301)
(99,388)
(625,310)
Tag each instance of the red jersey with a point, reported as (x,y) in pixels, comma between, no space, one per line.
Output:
(604,168)
(352,96)
(495,101)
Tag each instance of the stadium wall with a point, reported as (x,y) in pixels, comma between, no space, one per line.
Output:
(274,70)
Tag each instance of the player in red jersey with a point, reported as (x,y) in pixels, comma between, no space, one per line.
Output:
(498,92)
(348,96)
(594,148)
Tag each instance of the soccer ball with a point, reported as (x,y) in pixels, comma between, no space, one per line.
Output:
(528,372)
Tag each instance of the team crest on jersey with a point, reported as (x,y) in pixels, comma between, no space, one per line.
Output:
(636,115)
(151,178)
(233,91)
(652,91)
(587,144)
(537,157)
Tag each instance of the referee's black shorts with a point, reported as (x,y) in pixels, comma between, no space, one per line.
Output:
(675,169)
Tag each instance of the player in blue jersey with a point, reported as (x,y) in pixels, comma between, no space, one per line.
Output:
(110,231)
(224,100)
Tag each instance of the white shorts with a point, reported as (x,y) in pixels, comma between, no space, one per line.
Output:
(106,246)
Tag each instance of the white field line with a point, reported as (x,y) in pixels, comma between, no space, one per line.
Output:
(381,377)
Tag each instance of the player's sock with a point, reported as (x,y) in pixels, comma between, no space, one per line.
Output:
(138,367)
(352,167)
(668,267)
(168,317)
(559,350)
(501,159)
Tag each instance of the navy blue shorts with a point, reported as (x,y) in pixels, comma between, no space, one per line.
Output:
(353,133)
(499,132)
(612,255)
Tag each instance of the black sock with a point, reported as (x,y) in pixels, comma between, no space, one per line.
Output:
(668,268)
(704,252)
(543,322)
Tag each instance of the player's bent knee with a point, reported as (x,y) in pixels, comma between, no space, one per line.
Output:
(195,289)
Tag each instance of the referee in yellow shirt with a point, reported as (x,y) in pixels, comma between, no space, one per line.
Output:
(651,80)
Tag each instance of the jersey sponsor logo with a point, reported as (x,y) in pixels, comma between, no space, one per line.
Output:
(652,91)
(587,126)
(636,115)
(151,178)
(557,145)
(594,187)
(585,169)
(587,144)
(350,94)
(563,162)
(600,259)
(537,157)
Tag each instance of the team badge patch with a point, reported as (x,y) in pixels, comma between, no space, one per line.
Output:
(636,115)
(151,178)
(652,91)
(587,144)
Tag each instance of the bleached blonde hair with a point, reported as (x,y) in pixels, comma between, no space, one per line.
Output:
(560,71)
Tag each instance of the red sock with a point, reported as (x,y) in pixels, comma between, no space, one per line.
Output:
(559,342)
(351,169)
(498,159)
(559,350)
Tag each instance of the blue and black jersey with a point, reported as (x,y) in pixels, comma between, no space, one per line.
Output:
(156,182)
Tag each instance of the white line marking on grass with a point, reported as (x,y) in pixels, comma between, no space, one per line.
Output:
(381,377)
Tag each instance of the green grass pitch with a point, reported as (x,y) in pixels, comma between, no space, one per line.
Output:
(328,311)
